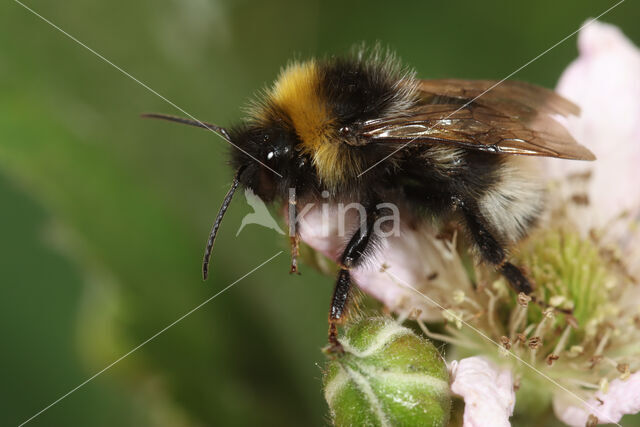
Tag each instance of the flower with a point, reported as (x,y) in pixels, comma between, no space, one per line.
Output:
(587,258)
(604,82)
(487,391)
(577,349)
(621,398)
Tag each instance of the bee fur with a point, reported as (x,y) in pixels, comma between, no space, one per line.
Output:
(308,129)
(309,119)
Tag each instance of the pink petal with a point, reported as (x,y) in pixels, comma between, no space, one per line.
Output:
(487,391)
(321,229)
(622,398)
(414,258)
(605,82)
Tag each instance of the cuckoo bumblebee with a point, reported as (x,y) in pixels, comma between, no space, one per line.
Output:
(364,128)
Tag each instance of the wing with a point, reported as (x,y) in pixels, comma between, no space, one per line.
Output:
(509,118)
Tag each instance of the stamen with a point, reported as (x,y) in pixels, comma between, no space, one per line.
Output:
(446,338)
(603,385)
(584,384)
(506,342)
(528,330)
(625,370)
(535,343)
(562,341)
(518,317)
(552,358)
(491,308)
(576,350)
(603,342)
(523,299)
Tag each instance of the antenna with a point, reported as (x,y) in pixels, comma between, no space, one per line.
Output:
(216,224)
(197,123)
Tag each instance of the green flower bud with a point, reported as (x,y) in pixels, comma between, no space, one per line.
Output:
(387,376)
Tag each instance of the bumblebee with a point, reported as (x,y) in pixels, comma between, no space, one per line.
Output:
(363,127)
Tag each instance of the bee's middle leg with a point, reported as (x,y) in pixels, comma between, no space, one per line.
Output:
(351,255)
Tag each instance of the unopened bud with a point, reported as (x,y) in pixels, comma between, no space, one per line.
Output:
(387,375)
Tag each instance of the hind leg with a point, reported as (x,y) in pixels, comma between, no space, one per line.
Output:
(493,252)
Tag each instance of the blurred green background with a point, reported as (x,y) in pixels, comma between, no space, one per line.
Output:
(103,215)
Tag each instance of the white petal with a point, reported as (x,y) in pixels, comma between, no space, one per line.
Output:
(487,391)
(605,82)
(622,398)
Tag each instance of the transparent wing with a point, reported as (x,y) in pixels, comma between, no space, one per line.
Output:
(510,118)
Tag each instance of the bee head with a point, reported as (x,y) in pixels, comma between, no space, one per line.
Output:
(271,158)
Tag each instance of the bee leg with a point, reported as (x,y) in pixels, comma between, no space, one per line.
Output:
(516,278)
(293,232)
(337,310)
(493,252)
(295,243)
(350,257)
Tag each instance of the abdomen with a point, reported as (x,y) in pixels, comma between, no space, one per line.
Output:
(514,203)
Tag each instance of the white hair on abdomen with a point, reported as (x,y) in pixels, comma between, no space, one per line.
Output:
(516,202)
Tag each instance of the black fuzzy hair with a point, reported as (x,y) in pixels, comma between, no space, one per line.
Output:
(367,84)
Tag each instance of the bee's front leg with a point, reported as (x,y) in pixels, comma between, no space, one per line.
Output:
(351,256)
(294,237)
